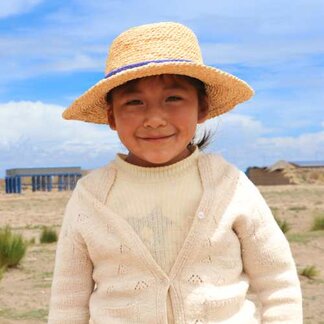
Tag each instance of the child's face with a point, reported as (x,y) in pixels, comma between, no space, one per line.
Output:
(156,118)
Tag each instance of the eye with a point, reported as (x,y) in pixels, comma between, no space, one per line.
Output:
(133,102)
(173,98)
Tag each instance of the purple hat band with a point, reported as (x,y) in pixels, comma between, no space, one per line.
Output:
(135,65)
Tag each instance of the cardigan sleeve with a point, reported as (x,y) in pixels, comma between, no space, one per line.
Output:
(72,280)
(268,261)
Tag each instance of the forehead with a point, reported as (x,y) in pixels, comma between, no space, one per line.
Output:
(164,80)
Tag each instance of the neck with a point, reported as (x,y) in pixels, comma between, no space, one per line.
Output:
(133,159)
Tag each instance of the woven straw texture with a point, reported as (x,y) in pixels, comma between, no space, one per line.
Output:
(175,50)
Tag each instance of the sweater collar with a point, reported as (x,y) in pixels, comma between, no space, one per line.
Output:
(137,173)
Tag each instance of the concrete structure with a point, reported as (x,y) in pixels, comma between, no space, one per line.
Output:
(42,179)
(283,173)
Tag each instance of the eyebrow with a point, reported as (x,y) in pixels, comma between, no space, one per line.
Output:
(129,89)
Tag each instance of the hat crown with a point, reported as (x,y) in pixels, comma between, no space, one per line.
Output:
(159,41)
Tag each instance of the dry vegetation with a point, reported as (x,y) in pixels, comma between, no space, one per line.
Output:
(25,291)
(305,175)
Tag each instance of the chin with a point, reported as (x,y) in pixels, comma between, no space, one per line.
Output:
(155,159)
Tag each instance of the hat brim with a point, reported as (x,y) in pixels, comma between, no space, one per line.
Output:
(224,90)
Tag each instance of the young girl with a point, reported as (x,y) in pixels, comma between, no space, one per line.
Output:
(167,233)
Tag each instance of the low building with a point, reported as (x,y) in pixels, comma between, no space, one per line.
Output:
(42,179)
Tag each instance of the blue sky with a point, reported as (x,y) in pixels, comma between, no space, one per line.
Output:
(52,51)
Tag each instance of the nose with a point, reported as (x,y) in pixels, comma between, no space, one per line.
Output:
(155,117)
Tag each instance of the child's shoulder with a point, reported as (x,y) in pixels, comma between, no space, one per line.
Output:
(215,159)
(246,195)
(96,180)
(216,163)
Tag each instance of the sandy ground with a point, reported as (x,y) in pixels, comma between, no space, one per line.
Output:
(25,291)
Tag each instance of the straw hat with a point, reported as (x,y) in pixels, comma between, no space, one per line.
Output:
(160,48)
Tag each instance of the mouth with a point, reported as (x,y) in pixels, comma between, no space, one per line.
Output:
(156,138)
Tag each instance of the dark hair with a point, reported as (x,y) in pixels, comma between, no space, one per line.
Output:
(206,138)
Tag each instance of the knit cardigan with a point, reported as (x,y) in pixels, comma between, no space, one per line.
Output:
(104,271)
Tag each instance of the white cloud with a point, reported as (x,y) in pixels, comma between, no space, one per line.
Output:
(245,141)
(234,136)
(305,146)
(17,7)
(233,125)
(41,122)
(35,134)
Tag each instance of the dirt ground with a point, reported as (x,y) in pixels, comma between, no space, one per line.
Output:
(25,291)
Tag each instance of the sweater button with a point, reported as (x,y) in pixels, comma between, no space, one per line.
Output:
(201,215)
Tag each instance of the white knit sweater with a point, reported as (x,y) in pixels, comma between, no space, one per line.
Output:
(104,270)
(162,205)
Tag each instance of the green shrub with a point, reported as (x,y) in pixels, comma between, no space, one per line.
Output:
(297,208)
(12,248)
(283,224)
(48,235)
(310,272)
(274,211)
(318,223)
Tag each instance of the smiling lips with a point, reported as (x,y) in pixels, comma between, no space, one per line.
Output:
(155,138)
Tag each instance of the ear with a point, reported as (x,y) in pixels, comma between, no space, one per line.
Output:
(203,110)
(111,118)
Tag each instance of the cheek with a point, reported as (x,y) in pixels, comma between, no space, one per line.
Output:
(126,119)
(186,118)
(126,126)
